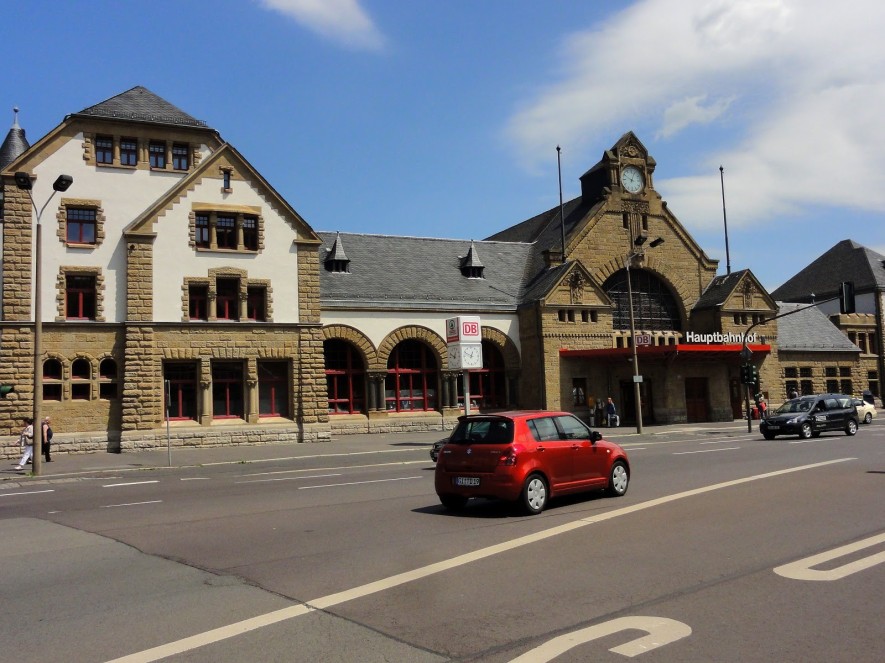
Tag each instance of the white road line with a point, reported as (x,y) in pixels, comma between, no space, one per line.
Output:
(348,453)
(131,483)
(704,451)
(238,628)
(195,479)
(802,569)
(113,506)
(315,476)
(343,467)
(356,483)
(30,492)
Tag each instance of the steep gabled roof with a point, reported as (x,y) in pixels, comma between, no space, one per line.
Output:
(143,224)
(422,273)
(719,290)
(846,261)
(809,330)
(141,105)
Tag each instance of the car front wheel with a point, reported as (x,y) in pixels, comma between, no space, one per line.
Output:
(768,436)
(618,479)
(534,494)
(851,427)
(805,431)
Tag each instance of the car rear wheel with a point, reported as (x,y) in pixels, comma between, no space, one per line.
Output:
(851,427)
(534,494)
(618,479)
(868,418)
(454,502)
(805,431)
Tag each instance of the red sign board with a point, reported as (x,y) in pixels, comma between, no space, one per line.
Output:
(463,329)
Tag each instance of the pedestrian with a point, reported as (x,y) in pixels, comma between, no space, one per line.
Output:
(611,413)
(600,412)
(27,442)
(47,440)
(793,393)
(763,408)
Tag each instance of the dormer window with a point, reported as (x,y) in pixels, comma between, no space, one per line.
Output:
(471,265)
(336,260)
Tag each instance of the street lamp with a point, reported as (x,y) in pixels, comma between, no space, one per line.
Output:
(638,253)
(62,183)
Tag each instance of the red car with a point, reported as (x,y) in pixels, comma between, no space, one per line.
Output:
(527,457)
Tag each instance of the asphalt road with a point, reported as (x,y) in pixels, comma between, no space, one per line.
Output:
(726,547)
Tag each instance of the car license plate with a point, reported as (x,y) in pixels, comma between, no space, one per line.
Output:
(466,481)
(773,427)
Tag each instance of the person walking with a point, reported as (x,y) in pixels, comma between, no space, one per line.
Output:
(27,441)
(611,413)
(47,440)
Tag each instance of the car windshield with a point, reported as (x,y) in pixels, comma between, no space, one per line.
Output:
(796,405)
(483,431)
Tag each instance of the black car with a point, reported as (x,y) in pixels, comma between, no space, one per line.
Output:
(434,450)
(809,416)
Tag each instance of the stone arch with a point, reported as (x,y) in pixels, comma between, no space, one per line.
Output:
(410,333)
(61,359)
(505,345)
(656,267)
(89,359)
(356,338)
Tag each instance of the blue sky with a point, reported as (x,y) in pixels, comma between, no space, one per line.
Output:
(442,118)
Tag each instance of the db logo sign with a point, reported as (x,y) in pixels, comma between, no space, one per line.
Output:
(470,329)
(466,328)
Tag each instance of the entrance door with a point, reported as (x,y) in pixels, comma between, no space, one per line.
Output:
(627,406)
(697,408)
(737,398)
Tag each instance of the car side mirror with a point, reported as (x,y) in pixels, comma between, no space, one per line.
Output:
(595,436)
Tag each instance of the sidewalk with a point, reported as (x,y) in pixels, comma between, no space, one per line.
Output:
(64,466)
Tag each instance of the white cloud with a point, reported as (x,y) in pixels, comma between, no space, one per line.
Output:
(787,93)
(343,21)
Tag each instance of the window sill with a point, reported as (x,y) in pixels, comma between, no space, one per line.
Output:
(117,166)
(81,245)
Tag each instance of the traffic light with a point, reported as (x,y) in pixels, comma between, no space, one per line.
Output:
(6,389)
(754,375)
(745,373)
(846,297)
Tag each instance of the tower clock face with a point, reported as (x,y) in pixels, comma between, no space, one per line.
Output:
(631,179)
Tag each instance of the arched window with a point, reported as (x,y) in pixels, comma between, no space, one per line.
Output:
(487,383)
(81,376)
(345,377)
(411,378)
(107,379)
(52,380)
(654,306)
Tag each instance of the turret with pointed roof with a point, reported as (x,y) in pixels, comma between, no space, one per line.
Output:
(14,144)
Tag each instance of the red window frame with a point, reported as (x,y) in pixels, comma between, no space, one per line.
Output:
(181,381)
(410,384)
(80,297)
(80,225)
(227,296)
(256,303)
(202,237)
(345,377)
(273,389)
(227,390)
(198,301)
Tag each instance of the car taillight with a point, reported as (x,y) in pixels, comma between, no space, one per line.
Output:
(508,458)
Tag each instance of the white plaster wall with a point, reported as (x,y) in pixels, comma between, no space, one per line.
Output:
(175,259)
(124,194)
(377,325)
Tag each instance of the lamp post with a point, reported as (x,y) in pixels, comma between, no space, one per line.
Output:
(637,378)
(62,183)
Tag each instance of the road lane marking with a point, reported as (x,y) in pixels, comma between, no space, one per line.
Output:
(238,628)
(195,479)
(29,492)
(801,569)
(315,476)
(113,506)
(343,467)
(130,483)
(356,483)
(704,451)
(661,631)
